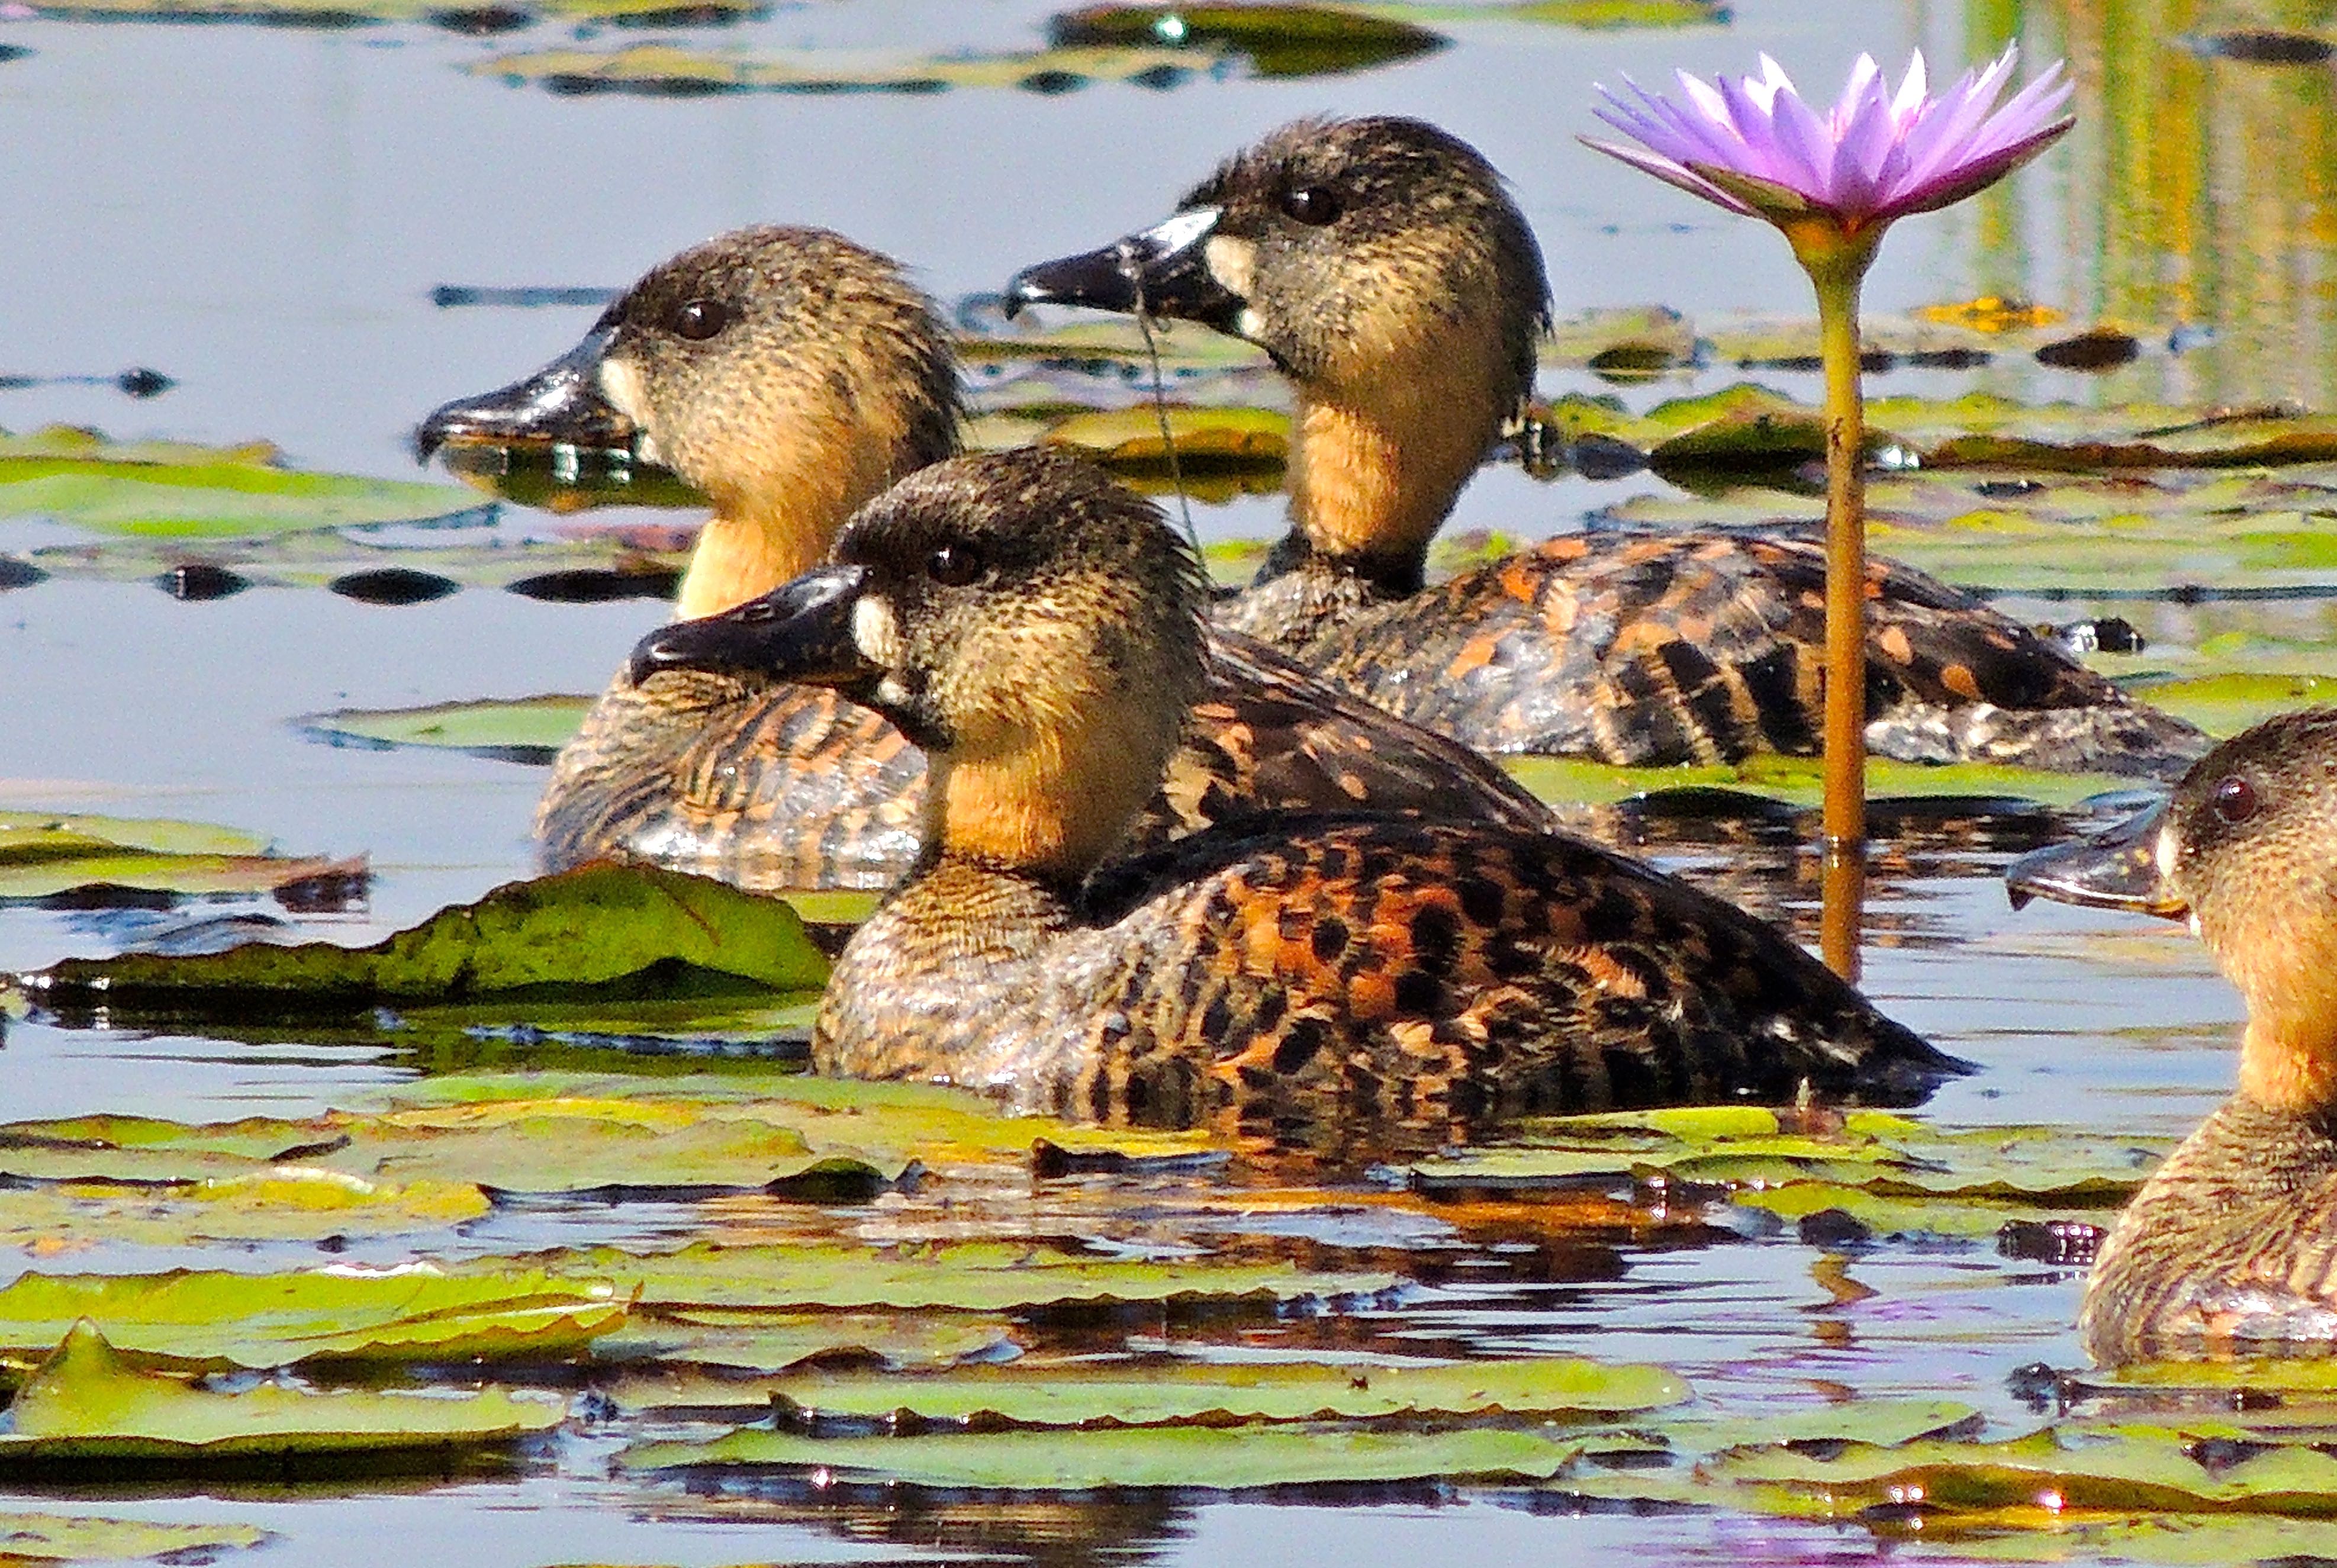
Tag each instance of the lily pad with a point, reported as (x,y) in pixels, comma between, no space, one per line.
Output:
(299,1203)
(686,1342)
(1189,1393)
(967,1277)
(665,71)
(514,729)
(85,1405)
(1183,1458)
(80,1538)
(1276,40)
(612,929)
(46,857)
(213,1320)
(187,492)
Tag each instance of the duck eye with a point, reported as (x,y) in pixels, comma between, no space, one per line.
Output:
(1313,205)
(699,319)
(2236,801)
(954,565)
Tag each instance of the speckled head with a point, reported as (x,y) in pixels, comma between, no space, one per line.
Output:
(1384,265)
(785,372)
(2246,848)
(1036,627)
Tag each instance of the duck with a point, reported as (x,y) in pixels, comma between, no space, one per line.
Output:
(2229,1247)
(1383,266)
(789,374)
(1325,981)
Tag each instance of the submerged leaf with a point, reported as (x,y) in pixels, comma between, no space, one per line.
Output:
(686,1341)
(85,1404)
(1278,40)
(663,70)
(45,858)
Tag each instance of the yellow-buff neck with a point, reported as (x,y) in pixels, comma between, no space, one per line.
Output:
(1378,459)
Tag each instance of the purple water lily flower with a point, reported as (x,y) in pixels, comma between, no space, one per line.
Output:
(1753,146)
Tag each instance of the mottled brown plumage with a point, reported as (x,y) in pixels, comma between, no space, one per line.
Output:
(790,375)
(1320,980)
(1383,266)
(2231,1247)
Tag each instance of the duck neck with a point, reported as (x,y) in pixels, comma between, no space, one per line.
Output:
(1048,805)
(778,518)
(737,558)
(1383,441)
(2289,1066)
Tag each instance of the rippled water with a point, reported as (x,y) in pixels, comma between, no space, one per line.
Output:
(262,213)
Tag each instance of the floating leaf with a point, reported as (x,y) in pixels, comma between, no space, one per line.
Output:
(1276,40)
(61,1538)
(516,729)
(1182,1393)
(662,70)
(968,1276)
(616,928)
(216,1320)
(299,1203)
(1186,1458)
(744,1338)
(84,1406)
(77,477)
(45,858)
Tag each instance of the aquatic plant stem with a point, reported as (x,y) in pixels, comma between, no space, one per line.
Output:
(1837,263)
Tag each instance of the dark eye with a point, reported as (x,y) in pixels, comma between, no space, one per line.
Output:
(699,319)
(2236,801)
(954,564)
(1313,205)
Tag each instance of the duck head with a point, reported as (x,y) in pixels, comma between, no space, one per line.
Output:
(1383,266)
(2246,850)
(786,372)
(1032,624)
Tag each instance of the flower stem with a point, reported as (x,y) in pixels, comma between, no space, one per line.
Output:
(1837,270)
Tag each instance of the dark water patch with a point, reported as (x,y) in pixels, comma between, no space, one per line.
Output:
(590,585)
(393,586)
(2103,349)
(139,381)
(1279,41)
(15,573)
(462,296)
(197,582)
(2262,46)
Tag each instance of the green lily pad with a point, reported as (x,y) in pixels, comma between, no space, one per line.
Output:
(614,929)
(297,1203)
(215,1320)
(44,858)
(686,1342)
(1184,1458)
(77,1538)
(1184,1393)
(665,70)
(2228,703)
(961,1276)
(77,477)
(1276,40)
(1890,1156)
(1799,780)
(85,1405)
(517,729)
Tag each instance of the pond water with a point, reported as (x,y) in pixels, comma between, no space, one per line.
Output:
(262,213)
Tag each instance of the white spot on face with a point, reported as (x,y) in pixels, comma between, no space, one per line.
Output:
(2168,851)
(876,632)
(620,384)
(1250,323)
(1232,262)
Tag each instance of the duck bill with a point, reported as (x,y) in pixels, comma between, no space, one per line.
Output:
(801,631)
(1161,271)
(2118,870)
(560,405)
